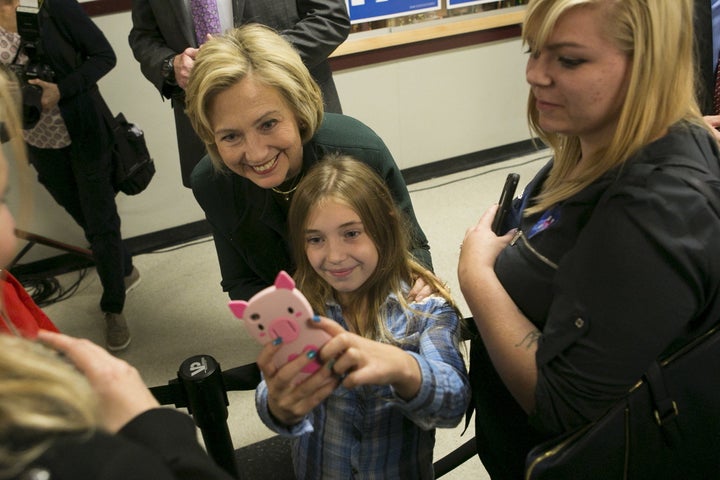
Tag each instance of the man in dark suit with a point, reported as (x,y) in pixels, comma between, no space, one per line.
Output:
(163,41)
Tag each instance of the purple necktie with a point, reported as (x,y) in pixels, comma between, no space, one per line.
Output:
(205,18)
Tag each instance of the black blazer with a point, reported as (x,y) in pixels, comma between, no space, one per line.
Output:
(160,444)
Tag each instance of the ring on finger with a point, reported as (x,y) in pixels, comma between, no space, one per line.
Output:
(330,364)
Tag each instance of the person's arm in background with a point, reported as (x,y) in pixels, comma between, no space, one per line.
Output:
(713,122)
(149,47)
(323,26)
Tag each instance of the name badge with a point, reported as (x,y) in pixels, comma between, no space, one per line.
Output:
(546,220)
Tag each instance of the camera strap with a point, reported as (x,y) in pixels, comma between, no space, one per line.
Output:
(17,54)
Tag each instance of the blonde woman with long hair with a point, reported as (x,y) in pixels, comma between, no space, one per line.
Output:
(611,257)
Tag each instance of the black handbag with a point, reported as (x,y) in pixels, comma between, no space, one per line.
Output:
(666,427)
(133,168)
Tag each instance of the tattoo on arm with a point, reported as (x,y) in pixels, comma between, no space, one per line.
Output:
(530,339)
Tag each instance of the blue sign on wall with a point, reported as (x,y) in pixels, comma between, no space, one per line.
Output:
(367,10)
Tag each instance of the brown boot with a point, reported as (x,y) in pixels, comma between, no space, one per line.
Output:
(117,335)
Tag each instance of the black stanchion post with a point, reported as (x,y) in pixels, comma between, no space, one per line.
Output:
(207,399)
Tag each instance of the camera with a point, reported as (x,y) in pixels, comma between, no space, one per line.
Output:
(28,24)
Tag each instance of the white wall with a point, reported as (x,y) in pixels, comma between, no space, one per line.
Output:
(426,108)
(442,105)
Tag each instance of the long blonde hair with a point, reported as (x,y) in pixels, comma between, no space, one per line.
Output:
(41,396)
(353,183)
(657,36)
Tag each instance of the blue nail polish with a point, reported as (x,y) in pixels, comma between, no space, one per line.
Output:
(316,318)
(277,341)
(311,354)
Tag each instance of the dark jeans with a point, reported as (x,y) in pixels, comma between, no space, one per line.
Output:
(82,186)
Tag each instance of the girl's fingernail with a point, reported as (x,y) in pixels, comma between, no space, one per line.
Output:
(311,354)
(277,341)
(329,365)
(316,318)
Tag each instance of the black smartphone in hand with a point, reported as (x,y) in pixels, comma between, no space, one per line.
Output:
(505,203)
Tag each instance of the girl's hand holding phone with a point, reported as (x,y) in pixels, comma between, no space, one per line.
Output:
(361,361)
(290,399)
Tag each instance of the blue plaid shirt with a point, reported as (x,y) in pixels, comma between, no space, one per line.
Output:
(371,433)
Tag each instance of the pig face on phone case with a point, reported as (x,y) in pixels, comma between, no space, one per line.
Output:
(281,311)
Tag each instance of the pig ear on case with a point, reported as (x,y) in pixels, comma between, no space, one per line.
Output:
(284,281)
(238,307)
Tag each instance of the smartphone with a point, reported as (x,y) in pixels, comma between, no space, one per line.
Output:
(281,310)
(505,203)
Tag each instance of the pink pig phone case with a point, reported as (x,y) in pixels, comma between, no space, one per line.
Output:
(281,310)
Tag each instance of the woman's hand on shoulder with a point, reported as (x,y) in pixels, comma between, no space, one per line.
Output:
(121,391)
(420,291)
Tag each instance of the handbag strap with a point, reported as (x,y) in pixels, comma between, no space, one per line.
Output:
(665,409)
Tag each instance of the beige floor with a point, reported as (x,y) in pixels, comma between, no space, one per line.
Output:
(179,310)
